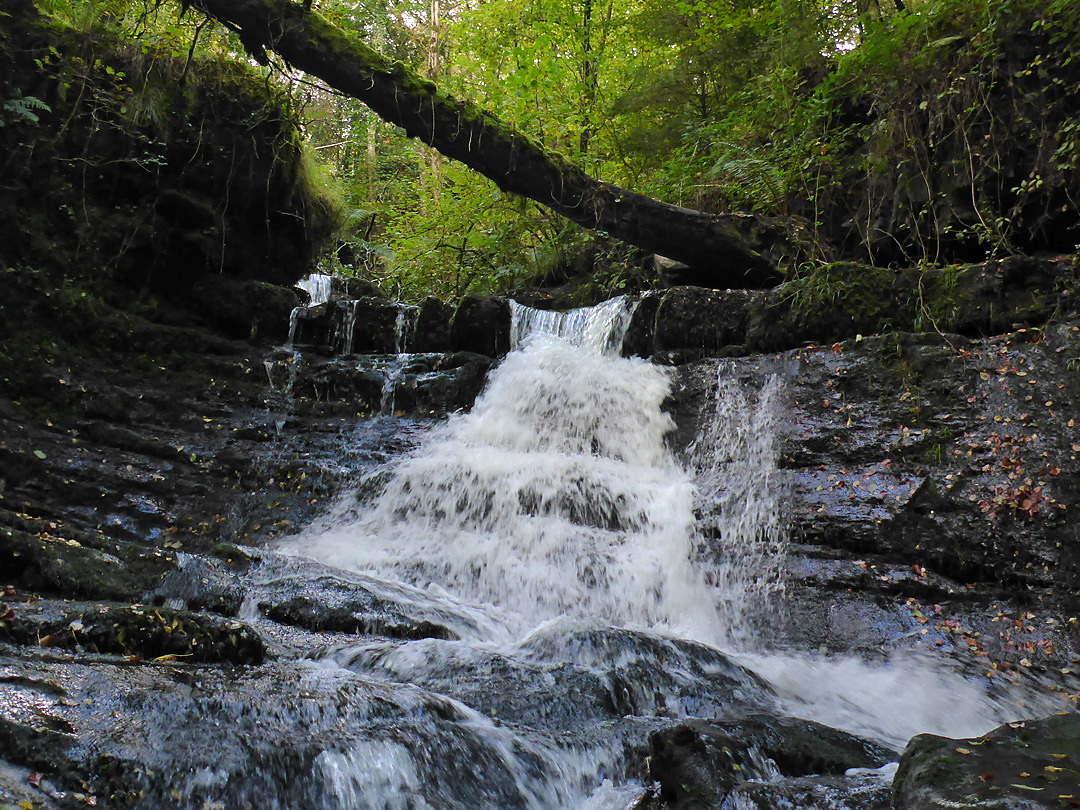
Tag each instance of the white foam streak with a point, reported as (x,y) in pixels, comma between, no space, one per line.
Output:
(889,701)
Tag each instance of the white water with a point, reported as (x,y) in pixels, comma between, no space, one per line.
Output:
(554,496)
(555,504)
(317,286)
(741,496)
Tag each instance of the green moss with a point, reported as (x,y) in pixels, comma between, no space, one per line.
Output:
(231,555)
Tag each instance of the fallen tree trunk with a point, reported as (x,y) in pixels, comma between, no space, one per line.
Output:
(729,250)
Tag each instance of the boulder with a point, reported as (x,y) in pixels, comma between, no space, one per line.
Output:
(1018,766)
(432,331)
(697,763)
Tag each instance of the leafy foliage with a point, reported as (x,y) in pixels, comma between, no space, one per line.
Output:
(917,132)
(22,110)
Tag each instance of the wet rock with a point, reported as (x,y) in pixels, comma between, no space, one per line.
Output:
(432,330)
(146,633)
(481,324)
(640,332)
(375,324)
(697,319)
(453,385)
(1019,766)
(307,595)
(364,616)
(235,558)
(698,763)
(869,791)
(414,383)
(48,558)
(316,326)
(285,734)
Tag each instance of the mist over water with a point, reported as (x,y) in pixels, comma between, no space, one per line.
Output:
(553,520)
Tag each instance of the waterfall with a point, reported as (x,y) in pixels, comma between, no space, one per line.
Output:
(554,496)
(598,330)
(560,538)
(317,286)
(741,498)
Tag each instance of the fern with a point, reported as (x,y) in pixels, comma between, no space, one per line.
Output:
(755,178)
(23,109)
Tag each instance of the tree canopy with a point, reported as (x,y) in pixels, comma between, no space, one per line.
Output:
(884,131)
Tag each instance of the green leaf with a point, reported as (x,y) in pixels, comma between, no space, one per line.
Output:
(39,454)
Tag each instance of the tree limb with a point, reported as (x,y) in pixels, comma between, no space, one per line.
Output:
(731,250)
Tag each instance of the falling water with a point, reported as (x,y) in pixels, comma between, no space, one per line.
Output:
(317,286)
(554,496)
(598,330)
(740,495)
(554,519)
(347,327)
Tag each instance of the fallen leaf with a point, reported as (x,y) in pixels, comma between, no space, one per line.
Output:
(963,751)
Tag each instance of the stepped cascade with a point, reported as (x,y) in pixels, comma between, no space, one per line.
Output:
(555,534)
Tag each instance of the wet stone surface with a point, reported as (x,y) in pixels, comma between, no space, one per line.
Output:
(155,649)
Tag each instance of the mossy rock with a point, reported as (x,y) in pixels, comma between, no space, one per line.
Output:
(155,633)
(56,559)
(1020,766)
(234,557)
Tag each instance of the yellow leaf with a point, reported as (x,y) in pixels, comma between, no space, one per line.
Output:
(962,751)
(1052,769)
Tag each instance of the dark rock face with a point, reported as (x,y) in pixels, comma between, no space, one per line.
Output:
(355,326)
(1021,766)
(698,763)
(432,332)
(481,324)
(640,332)
(246,309)
(693,319)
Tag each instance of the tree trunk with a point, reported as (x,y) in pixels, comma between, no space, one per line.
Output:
(726,250)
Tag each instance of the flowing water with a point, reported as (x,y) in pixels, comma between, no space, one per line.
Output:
(592,587)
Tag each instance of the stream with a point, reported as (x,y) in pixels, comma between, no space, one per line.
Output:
(586,591)
(562,549)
